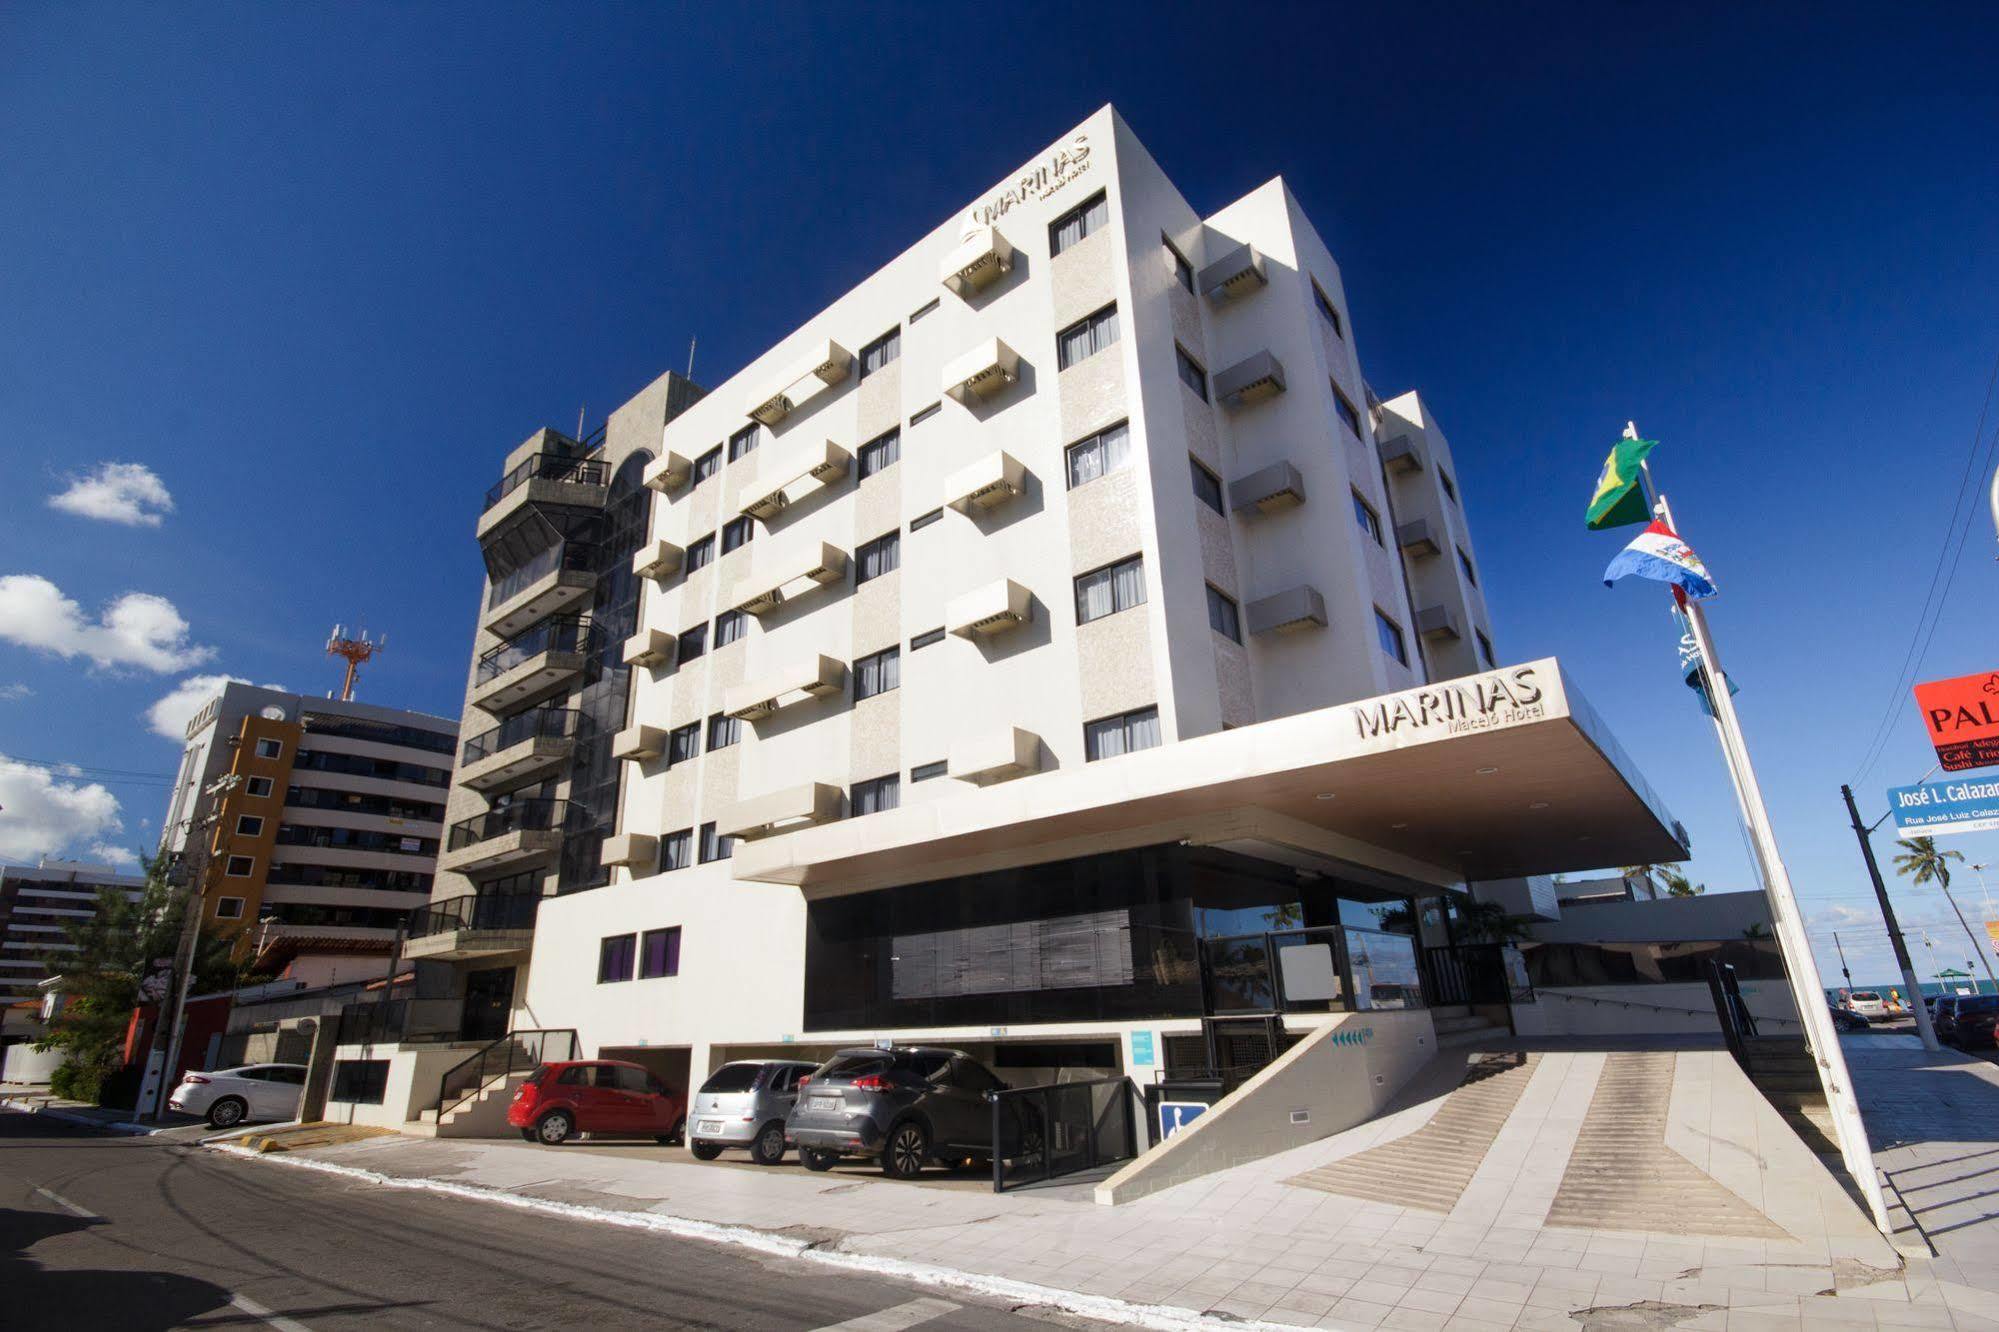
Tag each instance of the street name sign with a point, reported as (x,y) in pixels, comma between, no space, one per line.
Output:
(1935,808)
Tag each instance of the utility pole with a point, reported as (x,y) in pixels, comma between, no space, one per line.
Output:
(1922,1012)
(1842,959)
(167,1032)
(1984,954)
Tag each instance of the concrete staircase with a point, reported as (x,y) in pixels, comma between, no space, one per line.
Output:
(483,1114)
(1457,1025)
(1784,1071)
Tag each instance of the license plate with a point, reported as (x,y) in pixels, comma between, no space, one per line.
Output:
(828,1102)
(711,1126)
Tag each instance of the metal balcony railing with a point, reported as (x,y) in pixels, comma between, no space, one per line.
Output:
(475,911)
(535,724)
(548,467)
(564,633)
(564,555)
(392,1021)
(520,816)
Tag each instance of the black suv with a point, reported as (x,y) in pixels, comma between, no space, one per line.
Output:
(908,1105)
(1966,1020)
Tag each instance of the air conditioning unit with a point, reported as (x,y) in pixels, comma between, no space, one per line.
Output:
(1250,380)
(1236,273)
(992,609)
(659,559)
(649,648)
(981,372)
(991,481)
(1267,489)
(979,261)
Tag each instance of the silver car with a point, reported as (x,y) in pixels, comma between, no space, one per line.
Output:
(744,1105)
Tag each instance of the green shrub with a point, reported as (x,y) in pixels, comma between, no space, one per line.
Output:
(76,1082)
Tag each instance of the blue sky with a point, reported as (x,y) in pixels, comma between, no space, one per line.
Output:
(316,269)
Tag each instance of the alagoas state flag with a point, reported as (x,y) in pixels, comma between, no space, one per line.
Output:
(1659,554)
(1619,500)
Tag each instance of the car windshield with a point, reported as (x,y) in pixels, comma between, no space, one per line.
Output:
(855,1065)
(1983,1004)
(1866,997)
(732,1078)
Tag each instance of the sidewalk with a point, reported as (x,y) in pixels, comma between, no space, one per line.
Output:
(1248,1246)
(82,1112)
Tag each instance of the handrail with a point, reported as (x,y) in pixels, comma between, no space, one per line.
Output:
(537,815)
(1657,1008)
(561,633)
(562,555)
(475,911)
(515,1050)
(548,467)
(534,724)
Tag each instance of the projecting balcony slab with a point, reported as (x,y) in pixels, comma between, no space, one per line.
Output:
(825,365)
(526,760)
(987,483)
(981,372)
(792,476)
(508,851)
(1268,489)
(554,593)
(541,492)
(639,744)
(782,811)
(813,677)
(1237,273)
(980,260)
(995,756)
(534,676)
(1438,622)
(1287,612)
(637,851)
(786,576)
(993,609)
(1250,380)
(466,944)
(1417,537)
(1401,455)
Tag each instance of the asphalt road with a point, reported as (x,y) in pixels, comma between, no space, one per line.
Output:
(138,1234)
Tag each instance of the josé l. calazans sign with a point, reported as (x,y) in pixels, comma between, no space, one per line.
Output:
(1962,718)
(1945,807)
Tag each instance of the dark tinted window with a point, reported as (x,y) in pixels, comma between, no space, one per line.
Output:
(731,1078)
(287,1073)
(854,1065)
(631,1079)
(576,1075)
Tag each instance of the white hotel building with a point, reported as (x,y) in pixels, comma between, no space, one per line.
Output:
(1022,654)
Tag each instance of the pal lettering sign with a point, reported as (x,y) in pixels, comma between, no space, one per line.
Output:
(1935,808)
(1962,718)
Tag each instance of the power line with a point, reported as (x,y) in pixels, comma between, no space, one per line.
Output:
(126,776)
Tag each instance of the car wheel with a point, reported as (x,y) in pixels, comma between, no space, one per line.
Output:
(228,1112)
(678,1133)
(705,1151)
(816,1160)
(904,1152)
(768,1149)
(554,1128)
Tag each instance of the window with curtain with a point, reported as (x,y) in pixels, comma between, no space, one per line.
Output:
(1191,373)
(877,557)
(1389,634)
(707,464)
(1086,337)
(872,797)
(1207,486)
(714,846)
(879,452)
(730,625)
(1124,734)
(700,554)
(878,673)
(683,743)
(1107,451)
(1369,520)
(614,958)
(881,351)
(737,533)
(676,850)
(742,442)
(659,953)
(1085,219)
(1223,616)
(693,642)
(723,731)
(1111,589)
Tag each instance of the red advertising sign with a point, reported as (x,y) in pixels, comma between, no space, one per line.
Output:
(1962,717)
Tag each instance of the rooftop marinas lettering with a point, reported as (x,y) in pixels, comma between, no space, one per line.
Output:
(1063,165)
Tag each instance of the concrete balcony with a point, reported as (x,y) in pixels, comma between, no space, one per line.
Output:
(1268,490)
(793,475)
(657,560)
(639,744)
(650,648)
(814,677)
(559,480)
(522,749)
(1251,380)
(1417,537)
(1235,274)
(985,484)
(554,582)
(1438,623)
(1287,612)
(546,658)
(506,838)
(637,852)
(1401,455)
(461,929)
(993,609)
(981,372)
(812,374)
(995,756)
(783,577)
(978,262)
(781,811)
(667,473)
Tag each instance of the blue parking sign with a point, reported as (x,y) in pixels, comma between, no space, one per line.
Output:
(1176,1115)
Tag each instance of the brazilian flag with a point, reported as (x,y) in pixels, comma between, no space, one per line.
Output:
(1619,500)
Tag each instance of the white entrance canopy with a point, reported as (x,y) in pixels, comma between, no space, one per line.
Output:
(1497,775)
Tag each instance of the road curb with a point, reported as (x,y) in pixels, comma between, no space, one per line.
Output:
(1103,1307)
(128,1127)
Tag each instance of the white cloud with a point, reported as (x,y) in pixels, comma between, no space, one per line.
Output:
(125,493)
(170,715)
(137,629)
(14,693)
(110,853)
(40,815)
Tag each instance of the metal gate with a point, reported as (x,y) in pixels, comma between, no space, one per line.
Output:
(1042,1133)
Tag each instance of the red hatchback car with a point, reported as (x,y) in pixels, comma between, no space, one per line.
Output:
(604,1096)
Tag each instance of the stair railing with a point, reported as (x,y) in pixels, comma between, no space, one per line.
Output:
(514,1052)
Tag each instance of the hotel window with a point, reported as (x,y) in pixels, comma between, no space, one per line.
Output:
(701,553)
(1389,634)
(1450,488)
(1086,337)
(723,731)
(742,442)
(659,953)
(1327,308)
(738,532)
(1101,454)
(693,643)
(229,908)
(928,307)
(923,520)
(1191,373)
(683,743)
(257,788)
(923,772)
(1086,219)
(872,797)
(707,464)
(270,749)
(1346,411)
(878,673)
(249,825)
(1111,589)
(1369,520)
(1464,562)
(730,625)
(881,351)
(714,847)
(239,867)
(1484,647)
(1207,486)
(926,639)
(676,850)
(1223,616)
(877,557)
(1125,734)
(1183,272)
(614,958)
(880,452)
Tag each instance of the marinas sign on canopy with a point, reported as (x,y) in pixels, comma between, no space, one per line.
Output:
(1455,707)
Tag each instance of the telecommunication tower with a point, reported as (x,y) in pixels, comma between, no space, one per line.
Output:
(355,649)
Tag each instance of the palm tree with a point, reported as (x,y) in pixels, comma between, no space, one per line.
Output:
(1678,884)
(1923,863)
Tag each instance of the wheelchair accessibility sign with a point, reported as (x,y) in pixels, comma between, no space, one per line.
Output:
(1176,1115)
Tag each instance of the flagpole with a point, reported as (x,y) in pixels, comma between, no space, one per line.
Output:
(1807,988)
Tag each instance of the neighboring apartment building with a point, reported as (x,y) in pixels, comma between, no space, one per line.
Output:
(1082,473)
(326,839)
(37,902)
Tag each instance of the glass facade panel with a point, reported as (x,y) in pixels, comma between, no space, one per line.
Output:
(1384,970)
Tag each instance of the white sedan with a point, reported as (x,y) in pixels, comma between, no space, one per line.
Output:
(231,1096)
